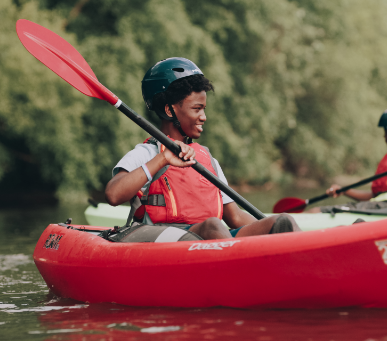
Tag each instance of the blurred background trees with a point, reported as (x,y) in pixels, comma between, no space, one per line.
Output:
(299,87)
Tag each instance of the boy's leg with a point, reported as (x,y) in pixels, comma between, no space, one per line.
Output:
(211,228)
(274,224)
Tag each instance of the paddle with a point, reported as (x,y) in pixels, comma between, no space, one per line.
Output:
(296,205)
(62,58)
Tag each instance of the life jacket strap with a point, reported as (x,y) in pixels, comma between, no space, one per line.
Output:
(153,200)
(135,203)
(213,163)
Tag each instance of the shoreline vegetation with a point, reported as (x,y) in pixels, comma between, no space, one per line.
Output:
(299,88)
(33,198)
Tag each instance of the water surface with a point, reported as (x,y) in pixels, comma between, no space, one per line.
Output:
(29,312)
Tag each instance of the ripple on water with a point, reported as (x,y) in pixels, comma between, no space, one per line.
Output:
(7,306)
(153,330)
(12,262)
(55,331)
(43,309)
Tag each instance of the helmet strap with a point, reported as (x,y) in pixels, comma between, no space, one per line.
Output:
(176,122)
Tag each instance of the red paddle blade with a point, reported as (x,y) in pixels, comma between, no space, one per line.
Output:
(62,58)
(289,205)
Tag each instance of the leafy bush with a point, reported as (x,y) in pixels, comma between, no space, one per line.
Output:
(299,86)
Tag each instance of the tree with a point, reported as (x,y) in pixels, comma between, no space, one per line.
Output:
(299,87)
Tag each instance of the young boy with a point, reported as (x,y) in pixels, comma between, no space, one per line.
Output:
(173,192)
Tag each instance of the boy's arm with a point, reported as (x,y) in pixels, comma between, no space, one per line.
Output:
(125,185)
(234,217)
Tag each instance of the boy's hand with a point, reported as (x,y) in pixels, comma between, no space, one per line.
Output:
(187,154)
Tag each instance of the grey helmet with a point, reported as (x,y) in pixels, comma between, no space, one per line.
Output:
(160,76)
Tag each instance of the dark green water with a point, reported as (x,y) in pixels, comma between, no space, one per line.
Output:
(23,293)
(29,312)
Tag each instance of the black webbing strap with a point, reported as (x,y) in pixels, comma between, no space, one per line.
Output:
(152,140)
(176,122)
(135,203)
(153,200)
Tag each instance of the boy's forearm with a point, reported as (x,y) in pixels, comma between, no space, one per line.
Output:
(125,185)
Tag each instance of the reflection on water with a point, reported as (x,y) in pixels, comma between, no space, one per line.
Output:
(69,320)
(29,312)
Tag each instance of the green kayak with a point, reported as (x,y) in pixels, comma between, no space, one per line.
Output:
(106,215)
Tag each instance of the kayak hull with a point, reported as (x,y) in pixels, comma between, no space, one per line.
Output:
(337,267)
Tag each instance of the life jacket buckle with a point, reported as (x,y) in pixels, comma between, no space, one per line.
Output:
(153,200)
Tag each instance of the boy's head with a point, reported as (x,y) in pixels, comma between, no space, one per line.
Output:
(178,91)
(169,82)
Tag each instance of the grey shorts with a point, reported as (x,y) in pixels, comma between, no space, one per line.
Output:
(142,233)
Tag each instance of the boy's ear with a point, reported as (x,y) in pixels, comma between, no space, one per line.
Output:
(167,110)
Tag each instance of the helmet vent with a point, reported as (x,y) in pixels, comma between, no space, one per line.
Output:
(178,69)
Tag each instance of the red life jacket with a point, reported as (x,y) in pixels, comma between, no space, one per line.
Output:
(189,197)
(380,185)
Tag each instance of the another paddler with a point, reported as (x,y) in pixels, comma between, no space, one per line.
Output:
(376,198)
(173,193)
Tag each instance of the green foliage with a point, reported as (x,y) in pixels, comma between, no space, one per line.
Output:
(41,116)
(299,86)
(302,75)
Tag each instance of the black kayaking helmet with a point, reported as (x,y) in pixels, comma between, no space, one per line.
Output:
(383,120)
(160,76)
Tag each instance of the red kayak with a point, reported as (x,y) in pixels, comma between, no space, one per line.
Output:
(337,267)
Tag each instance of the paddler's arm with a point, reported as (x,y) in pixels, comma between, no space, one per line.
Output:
(125,185)
(352,193)
(359,195)
(234,217)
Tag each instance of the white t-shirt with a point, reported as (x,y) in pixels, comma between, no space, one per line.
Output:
(145,152)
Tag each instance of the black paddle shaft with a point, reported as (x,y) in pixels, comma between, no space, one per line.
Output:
(174,148)
(343,189)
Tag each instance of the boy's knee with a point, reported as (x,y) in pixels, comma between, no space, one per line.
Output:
(213,223)
(213,220)
(291,218)
(287,215)
(293,222)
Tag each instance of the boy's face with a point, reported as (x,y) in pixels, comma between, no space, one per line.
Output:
(190,113)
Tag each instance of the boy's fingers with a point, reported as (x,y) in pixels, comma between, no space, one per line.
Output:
(191,154)
(188,155)
(187,152)
(189,163)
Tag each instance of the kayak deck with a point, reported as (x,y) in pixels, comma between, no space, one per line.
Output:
(109,216)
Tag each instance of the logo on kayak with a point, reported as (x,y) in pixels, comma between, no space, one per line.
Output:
(382,247)
(52,242)
(212,246)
